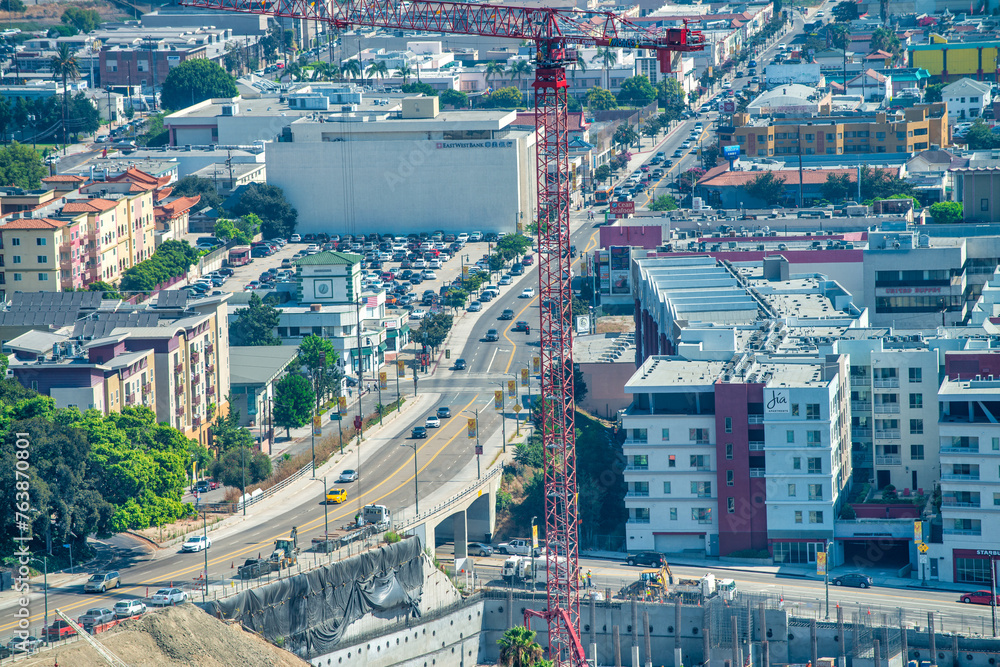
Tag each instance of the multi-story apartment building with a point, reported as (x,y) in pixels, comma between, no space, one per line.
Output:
(914,129)
(36,254)
(170,355)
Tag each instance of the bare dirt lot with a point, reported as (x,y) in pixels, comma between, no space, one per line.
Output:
(182,635)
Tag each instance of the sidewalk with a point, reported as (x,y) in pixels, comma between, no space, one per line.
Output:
(796,571)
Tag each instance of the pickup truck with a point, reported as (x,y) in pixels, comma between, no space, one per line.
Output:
(518,547)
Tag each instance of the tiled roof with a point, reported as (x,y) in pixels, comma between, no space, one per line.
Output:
(162,194)
(329,257)
(88,206)
(34,223)
(179,206)
(141,179)
(65,178)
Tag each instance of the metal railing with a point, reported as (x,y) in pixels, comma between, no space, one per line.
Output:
(960,450)
(756,446)
(637,494)
(755,419)
(861,405)
(636,519)
(861,432)
(887,408)
(956,503)
(469,490)
(888,460)
(283,484)
(758,472)
(971,477)
(885,383)
(887,434)
(963,531)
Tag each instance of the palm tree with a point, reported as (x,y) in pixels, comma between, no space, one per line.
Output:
(580,64)
(518,70)
(492,70)
(404,71)
(518,648)
(378,69)
(351,68)
(64,64)
(609,57)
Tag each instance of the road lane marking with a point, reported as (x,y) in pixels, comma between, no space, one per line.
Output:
(507,331)
(492,359)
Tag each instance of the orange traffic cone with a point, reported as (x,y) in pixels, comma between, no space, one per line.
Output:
(232,565)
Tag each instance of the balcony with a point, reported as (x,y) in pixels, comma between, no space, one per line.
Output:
(756,446)
(887,408)
(758,472)
(179,411)
(963,531)
(638,520)
(861,406)
(129,399)
(635,443)
(702,468)
(196,421)
(887,434)
(861,432)
(210,368)
(209,348)
(196,399)
(637,468)
(637,494)
(888,460)
(211,390)
(179,368)
(179,389)
(148,387)
(707,522)
(195,356)
(960,504)
(886,383)
(960,450)
(196,378)
(755,419)
(861,379)
(952,477)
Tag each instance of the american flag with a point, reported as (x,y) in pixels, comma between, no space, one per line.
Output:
(372,302)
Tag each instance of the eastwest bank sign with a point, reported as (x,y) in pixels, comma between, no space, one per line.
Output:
(776,401)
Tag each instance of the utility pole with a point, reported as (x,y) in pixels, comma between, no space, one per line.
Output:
(826,579)
(204,525)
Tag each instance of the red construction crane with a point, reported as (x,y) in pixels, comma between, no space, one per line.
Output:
(552,32)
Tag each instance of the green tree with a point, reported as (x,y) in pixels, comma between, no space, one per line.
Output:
(493,70)
(599,99)
(228,434)
(153,133)
(241,231)
(602,173)
(521,69)
(378,69)
(318,355)
(663,203)
(171,259)
(83,115)
(194,81)
(885,39)
(981,137)
(195,186)
(881,184)
(518,648)
(64,65)
(84,20)
(6,118)
(433,331)
(932,93)
(670,96)
(22,166)
(455,98)
(240,464)
(625,136)
(946,212)
(419,87)
(456,298)
(277,216)
(109,291)
(255,324)
(293,402)
(766,187)
(352,68)
(504,98)
(16,6)
(836,187)
(405,72)
(512,246)
(845,11)
(636,91)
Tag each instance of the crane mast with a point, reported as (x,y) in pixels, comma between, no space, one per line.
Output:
(554,32)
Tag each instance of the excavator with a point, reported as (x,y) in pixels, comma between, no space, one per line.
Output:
(286,550)
(651,584)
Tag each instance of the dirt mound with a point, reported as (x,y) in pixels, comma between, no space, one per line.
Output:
(182,635)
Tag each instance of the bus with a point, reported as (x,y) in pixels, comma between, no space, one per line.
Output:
(603,196)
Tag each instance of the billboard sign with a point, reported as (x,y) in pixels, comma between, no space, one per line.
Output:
(620,263)
(622,208)
(731,152)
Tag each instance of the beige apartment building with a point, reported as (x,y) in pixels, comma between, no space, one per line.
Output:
(913,129)
(32,253)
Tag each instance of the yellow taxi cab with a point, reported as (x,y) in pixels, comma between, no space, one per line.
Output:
(336,495)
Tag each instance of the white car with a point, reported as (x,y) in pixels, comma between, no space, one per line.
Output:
(432,422)
(196,543)
(418,315)
(463,237)
(347,477)
(429,275)
(528,293)
(296,238)
(166,596)
(506,280)
(476,236)
(129,608)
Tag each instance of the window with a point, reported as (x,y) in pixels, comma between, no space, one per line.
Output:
(796,463)
(672,461)
(731,505)
(916,426)
(701,489)
(798,516)
(916,401)
(666,488)
(791,490)
(809,137)
(698,435)
(701,514)
(996,499)
(795,409)
(815,492)
(43,276)
(812,410)
(42,259)
(729,424)
(915,374)
(917,452)
(641,514)
(815,517)
(639,435)
(15,241)
(984,205)
(729,450)
(699,461)
(673,514)
(880,136)
(40,241)
(17,259)
(829,136)
(815,464)
(640,462)
(665,434)
(996,444)
(814,438)
(17,277)
(730,478)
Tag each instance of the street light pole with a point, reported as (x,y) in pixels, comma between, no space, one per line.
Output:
(326,521)
(45,564)
(479,472)
(204,524)
(826,579)
(503,418)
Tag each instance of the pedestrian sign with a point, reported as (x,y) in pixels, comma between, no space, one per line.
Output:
(517,408)
(922,547)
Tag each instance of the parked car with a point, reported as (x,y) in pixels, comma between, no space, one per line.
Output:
(432,422)
(129,608)
(418,315)
(168,596)
(101,582)
(336,496)
(979,597)
(506,280)
(24,644)
(348,476)
(479,549)
(853,579)
(418,432)
(475,307)
(59,629)
(196,543)
(647,558)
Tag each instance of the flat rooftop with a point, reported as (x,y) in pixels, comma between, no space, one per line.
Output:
(660,373)
(604,348)
(792,374)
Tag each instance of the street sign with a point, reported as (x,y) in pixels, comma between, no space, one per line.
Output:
(922,547)
(517,408)
(479,450)
(335,416)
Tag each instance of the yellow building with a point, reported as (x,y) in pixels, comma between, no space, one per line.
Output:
(35,254)
(952,61)
(913,129)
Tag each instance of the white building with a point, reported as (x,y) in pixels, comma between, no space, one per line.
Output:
(966,98)
(418,169)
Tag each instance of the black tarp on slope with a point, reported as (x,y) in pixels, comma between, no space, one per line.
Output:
(311,611)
